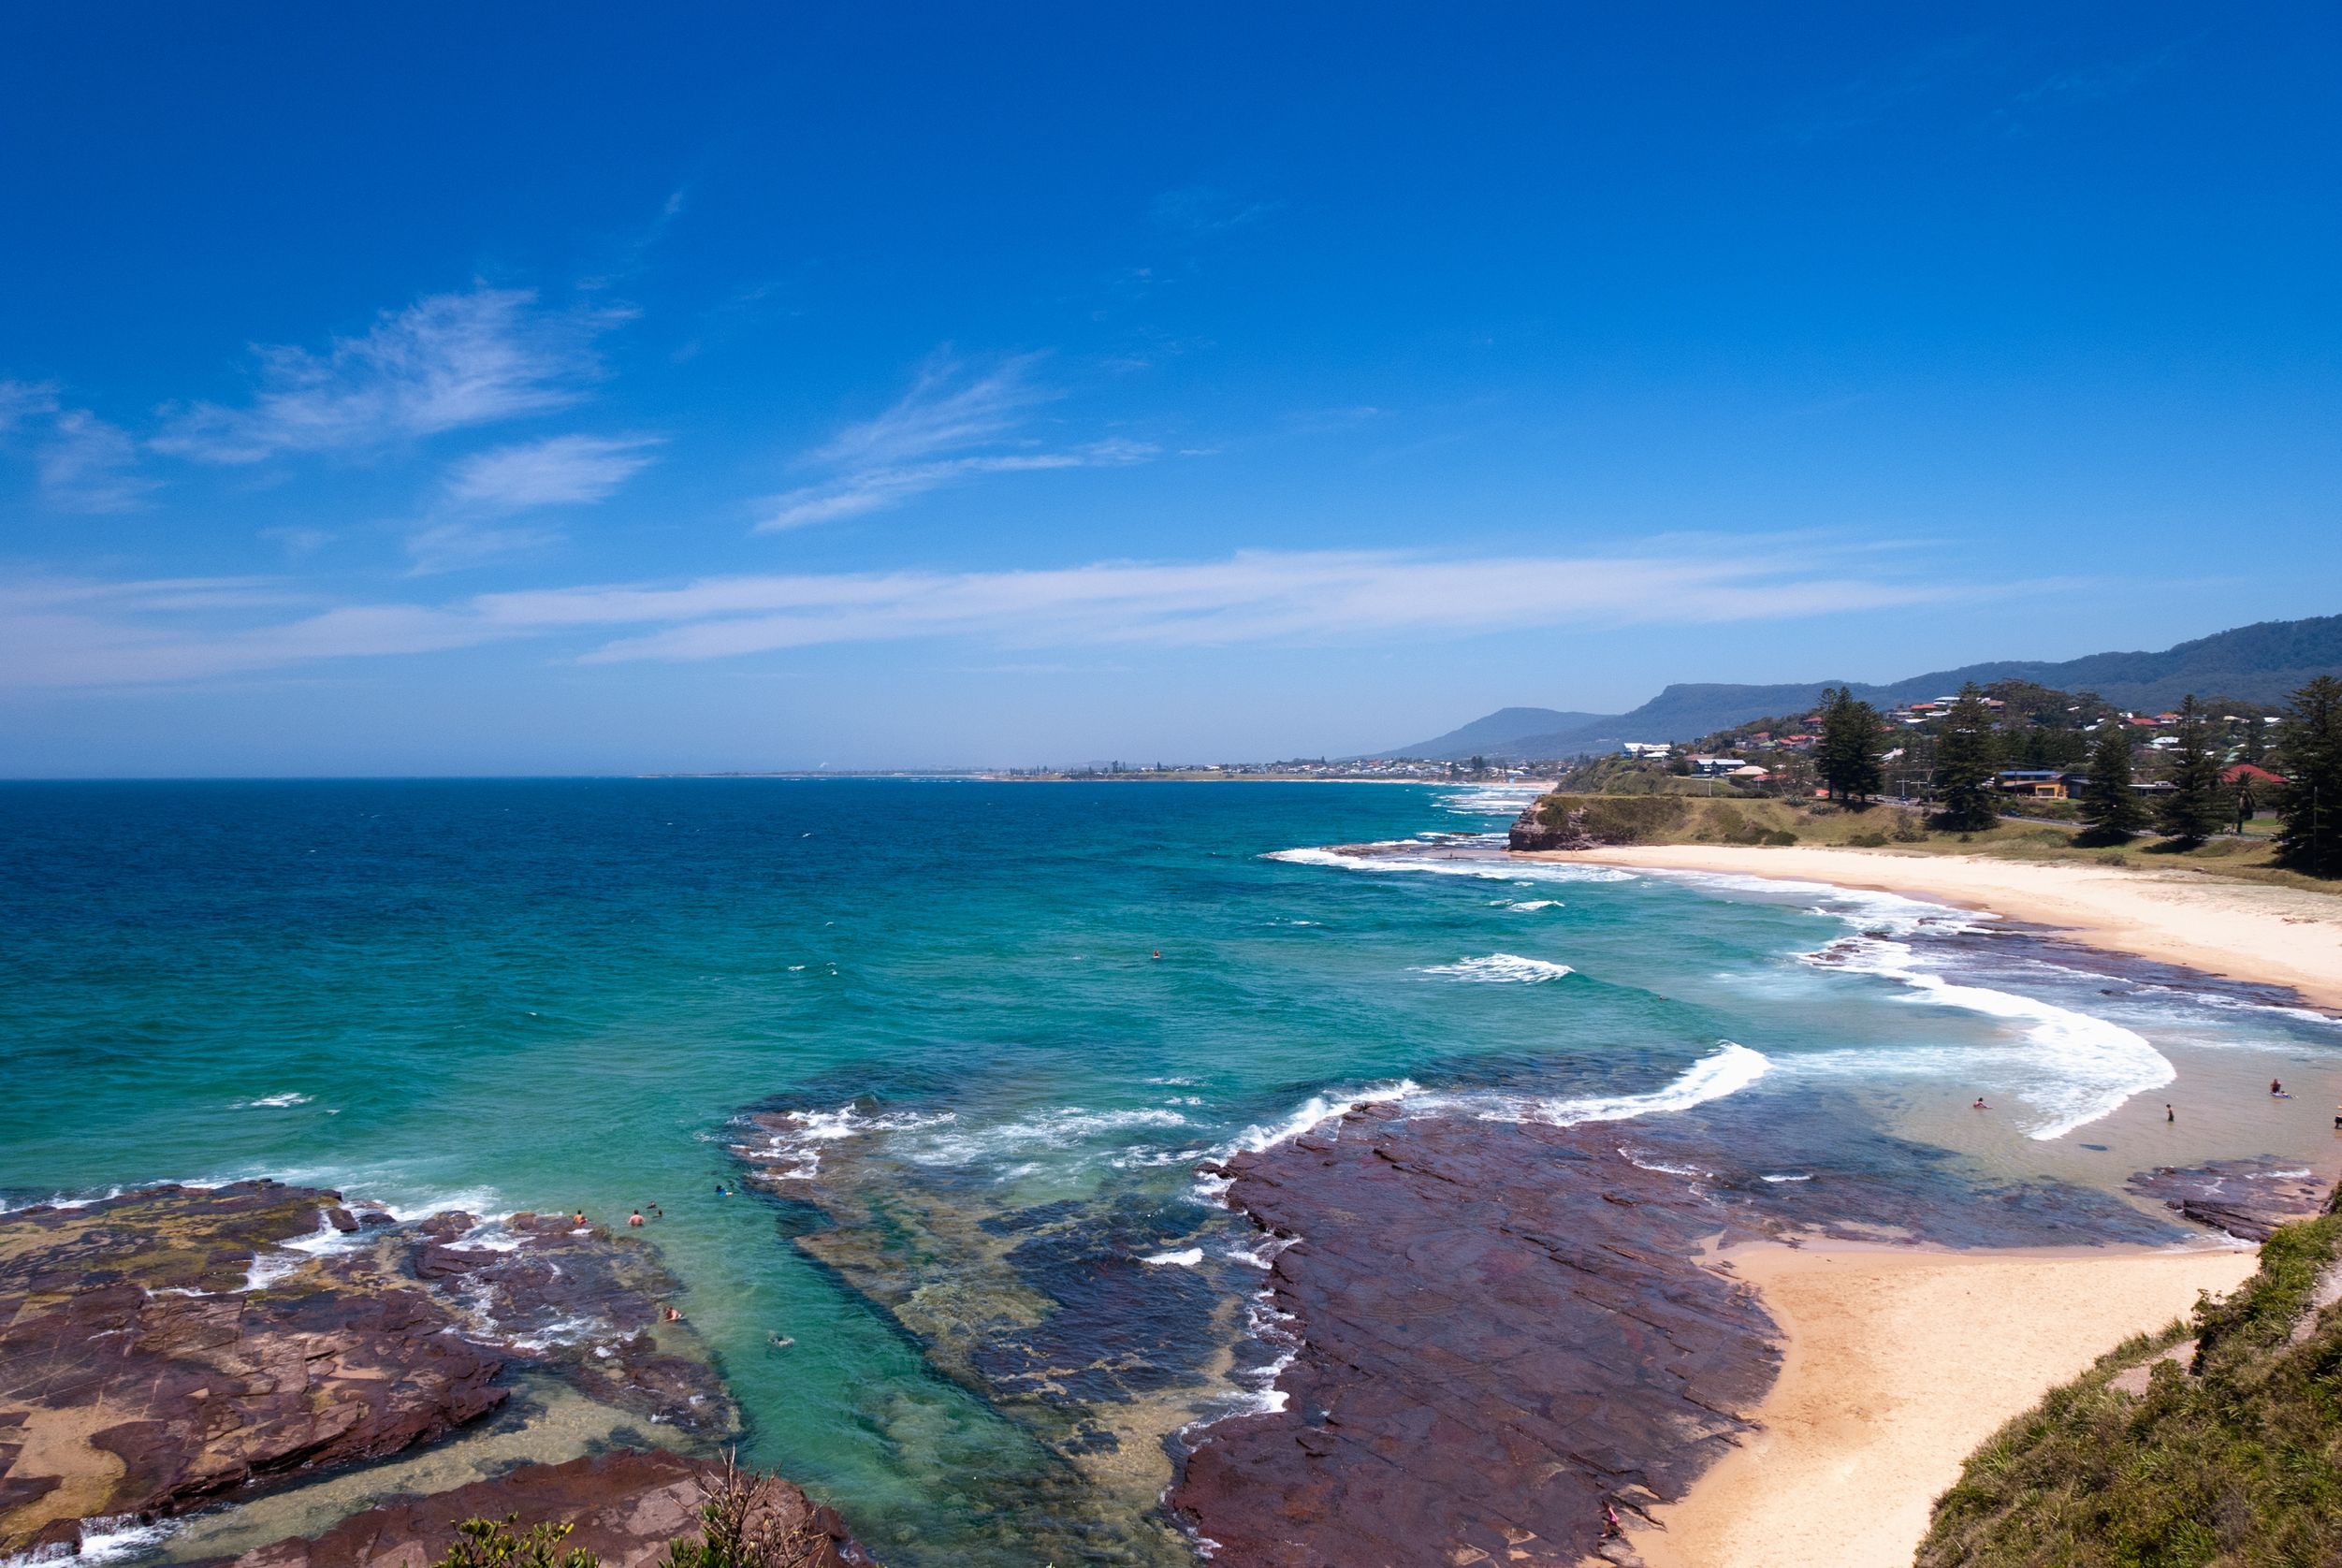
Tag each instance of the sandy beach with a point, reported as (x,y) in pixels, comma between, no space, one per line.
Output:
(2247,931)
(1899,1363)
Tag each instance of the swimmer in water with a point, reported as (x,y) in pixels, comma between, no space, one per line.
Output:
(635,1218)
(780,1342)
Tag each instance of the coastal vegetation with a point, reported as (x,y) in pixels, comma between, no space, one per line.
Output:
(2227,1454)
(746,1519)
(2110,807)
(2309,806)
(2011,754)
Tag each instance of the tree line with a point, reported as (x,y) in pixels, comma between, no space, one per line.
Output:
(1969,753)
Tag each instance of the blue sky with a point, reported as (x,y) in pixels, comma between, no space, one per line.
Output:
(585,388)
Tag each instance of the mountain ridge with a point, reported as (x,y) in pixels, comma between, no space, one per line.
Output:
(2261,662)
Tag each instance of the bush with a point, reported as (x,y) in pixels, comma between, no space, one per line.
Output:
(1781,836)
(1616,819)
(1910,828)
(1867,841)
(741,1525)
(492,1544)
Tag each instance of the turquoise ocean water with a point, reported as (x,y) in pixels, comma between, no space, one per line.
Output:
(545,994)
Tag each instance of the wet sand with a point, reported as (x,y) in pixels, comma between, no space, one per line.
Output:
(2250,931)
(1899,1363)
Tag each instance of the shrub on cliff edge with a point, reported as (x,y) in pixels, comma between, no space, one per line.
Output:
(2236,1465)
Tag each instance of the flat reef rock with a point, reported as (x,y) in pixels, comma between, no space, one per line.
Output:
(2246,1199)
(164,1347)
(1495,1328)
(624,1507)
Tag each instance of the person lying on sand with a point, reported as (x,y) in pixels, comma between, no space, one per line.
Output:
(1979,1104)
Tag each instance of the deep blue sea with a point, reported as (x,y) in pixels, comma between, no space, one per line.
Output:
(554,994)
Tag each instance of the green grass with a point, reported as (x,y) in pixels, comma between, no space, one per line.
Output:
(2239,1466)
(1730,815)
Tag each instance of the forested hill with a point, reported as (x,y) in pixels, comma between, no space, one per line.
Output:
(2260,664)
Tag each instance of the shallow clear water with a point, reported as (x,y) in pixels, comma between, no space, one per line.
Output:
(540,994)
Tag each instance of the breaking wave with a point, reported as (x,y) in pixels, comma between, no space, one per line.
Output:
(1727,1070)
(1489,870)
(2074,1068)
(1502,968)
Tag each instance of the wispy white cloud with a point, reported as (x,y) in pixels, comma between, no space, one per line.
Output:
(446,362)
(100,634)
(23,401)
(459,544)
(88,465)
(462,530)
(560,471)
(957,422)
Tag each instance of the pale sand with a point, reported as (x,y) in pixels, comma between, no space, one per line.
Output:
(1898,1364)
(2249,931)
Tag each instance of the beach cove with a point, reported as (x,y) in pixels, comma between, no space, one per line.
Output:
(956,1108)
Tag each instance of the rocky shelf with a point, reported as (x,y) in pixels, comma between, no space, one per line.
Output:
(169,1347)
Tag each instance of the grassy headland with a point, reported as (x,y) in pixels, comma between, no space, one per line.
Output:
(1705,812)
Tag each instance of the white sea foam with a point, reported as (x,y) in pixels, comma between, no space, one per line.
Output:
(1529,906)
(1502,968)
(274,1102)
(1488,870)
(1053,1128)
(794,1152)
(1806,1176)
(104,1538)
(1185,1257)
(1316,1108)
(2073,1069)
(1887,913)
(1730,1068)
(2244,1004)
(1491,800)
(1660,1166)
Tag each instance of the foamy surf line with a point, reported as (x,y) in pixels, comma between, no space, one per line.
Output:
(1398,861)
(1501,968)
(1726,1070)
(2073,1069)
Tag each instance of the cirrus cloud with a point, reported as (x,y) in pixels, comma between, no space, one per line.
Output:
(72,633)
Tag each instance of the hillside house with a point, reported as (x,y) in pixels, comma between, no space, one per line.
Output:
(2039,783)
